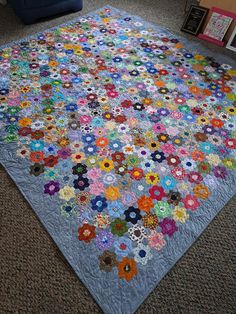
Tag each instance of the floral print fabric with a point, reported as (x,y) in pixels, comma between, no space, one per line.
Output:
(129,130)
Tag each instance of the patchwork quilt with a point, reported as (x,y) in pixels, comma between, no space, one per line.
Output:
(122,138)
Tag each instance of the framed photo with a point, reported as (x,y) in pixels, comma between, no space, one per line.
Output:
(194,19)
(232,41)
(217,26)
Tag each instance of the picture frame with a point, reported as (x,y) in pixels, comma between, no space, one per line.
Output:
(231,44)
(194,19)
(217,26)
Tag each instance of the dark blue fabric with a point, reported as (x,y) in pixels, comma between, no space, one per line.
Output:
(30,10)
(41,3)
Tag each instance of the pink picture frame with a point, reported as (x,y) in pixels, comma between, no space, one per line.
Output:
(217,26)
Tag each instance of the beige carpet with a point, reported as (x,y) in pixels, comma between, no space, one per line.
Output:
(34,276)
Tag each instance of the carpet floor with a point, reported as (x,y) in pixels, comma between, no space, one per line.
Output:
(35,278)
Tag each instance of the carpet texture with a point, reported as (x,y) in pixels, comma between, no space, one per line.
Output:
(28,283)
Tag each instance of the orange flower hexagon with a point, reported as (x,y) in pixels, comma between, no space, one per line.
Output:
(145,203)
(127,268)
(112,193)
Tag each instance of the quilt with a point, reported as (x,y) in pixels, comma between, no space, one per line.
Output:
(122,137)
